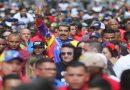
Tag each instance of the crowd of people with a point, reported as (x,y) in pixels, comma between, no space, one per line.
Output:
(65,45)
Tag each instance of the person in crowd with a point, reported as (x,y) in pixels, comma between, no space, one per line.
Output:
(76,76)
(39,50)
(6,33)
(2,47)
(11,81)
(25,35)
(79,32)
(23,16)
(39,84)
(73,29)
(108,35)
(46,68)
(67,56)
(127,38)
(90,46)
(55,43)
(125,80)
(113,24)
(111,53)
(13,64)
(98,83)
(13,43)
(96,66)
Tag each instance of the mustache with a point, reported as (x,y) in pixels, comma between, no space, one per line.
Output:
(62,35)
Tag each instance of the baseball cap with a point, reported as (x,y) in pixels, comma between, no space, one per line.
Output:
(11,55)
(38,44)
(95,34)
(90,59)
(98,25)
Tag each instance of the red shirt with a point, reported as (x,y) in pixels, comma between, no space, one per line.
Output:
(85,87)
(114,84)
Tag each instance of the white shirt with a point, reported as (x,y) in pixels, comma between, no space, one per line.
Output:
(25,20)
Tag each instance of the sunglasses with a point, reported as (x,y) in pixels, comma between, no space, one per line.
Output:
(68,53)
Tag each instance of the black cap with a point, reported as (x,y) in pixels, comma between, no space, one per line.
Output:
(38,44)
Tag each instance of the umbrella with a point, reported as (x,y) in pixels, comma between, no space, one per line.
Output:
(122,64)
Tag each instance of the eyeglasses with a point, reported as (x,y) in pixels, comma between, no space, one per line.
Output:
(14,41)
(68,53)
(63,30)
(48,69)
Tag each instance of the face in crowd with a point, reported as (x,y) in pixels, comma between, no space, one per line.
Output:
(72,30)
(113,24)
(23,11)
(2,45)
(67,54)
(76,77)
(11,81)
(13,41)
(63,32)
(25,34)
(13,66)
(38,50)
(46,70)
(108,35)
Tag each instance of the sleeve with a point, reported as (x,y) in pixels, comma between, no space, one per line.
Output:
(42,28)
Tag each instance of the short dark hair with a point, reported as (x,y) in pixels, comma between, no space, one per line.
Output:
(10,76)
(107,30)
(99,82)
(76,64)
(64,24)
(40,84)
(125,80)
(68,45)
(127,35)
(43,60)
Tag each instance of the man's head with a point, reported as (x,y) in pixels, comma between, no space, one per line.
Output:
(25,34)
(63,31)
(23,10)
(108,35)
(76,75)
(11,81)
(67,53)
(38,47)
(117,36)
(46,68)
(73,29)
(12,63)
(13,41)
(113,24)
(127,27)
(98,83)
(2,44)
(127,36)
(95,62)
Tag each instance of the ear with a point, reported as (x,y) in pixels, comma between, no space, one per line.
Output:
(60,55)
(37,72)
(87,77)
(0,67)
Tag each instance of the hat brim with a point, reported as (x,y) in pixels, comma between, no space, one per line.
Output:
(17,58)
(37,46)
